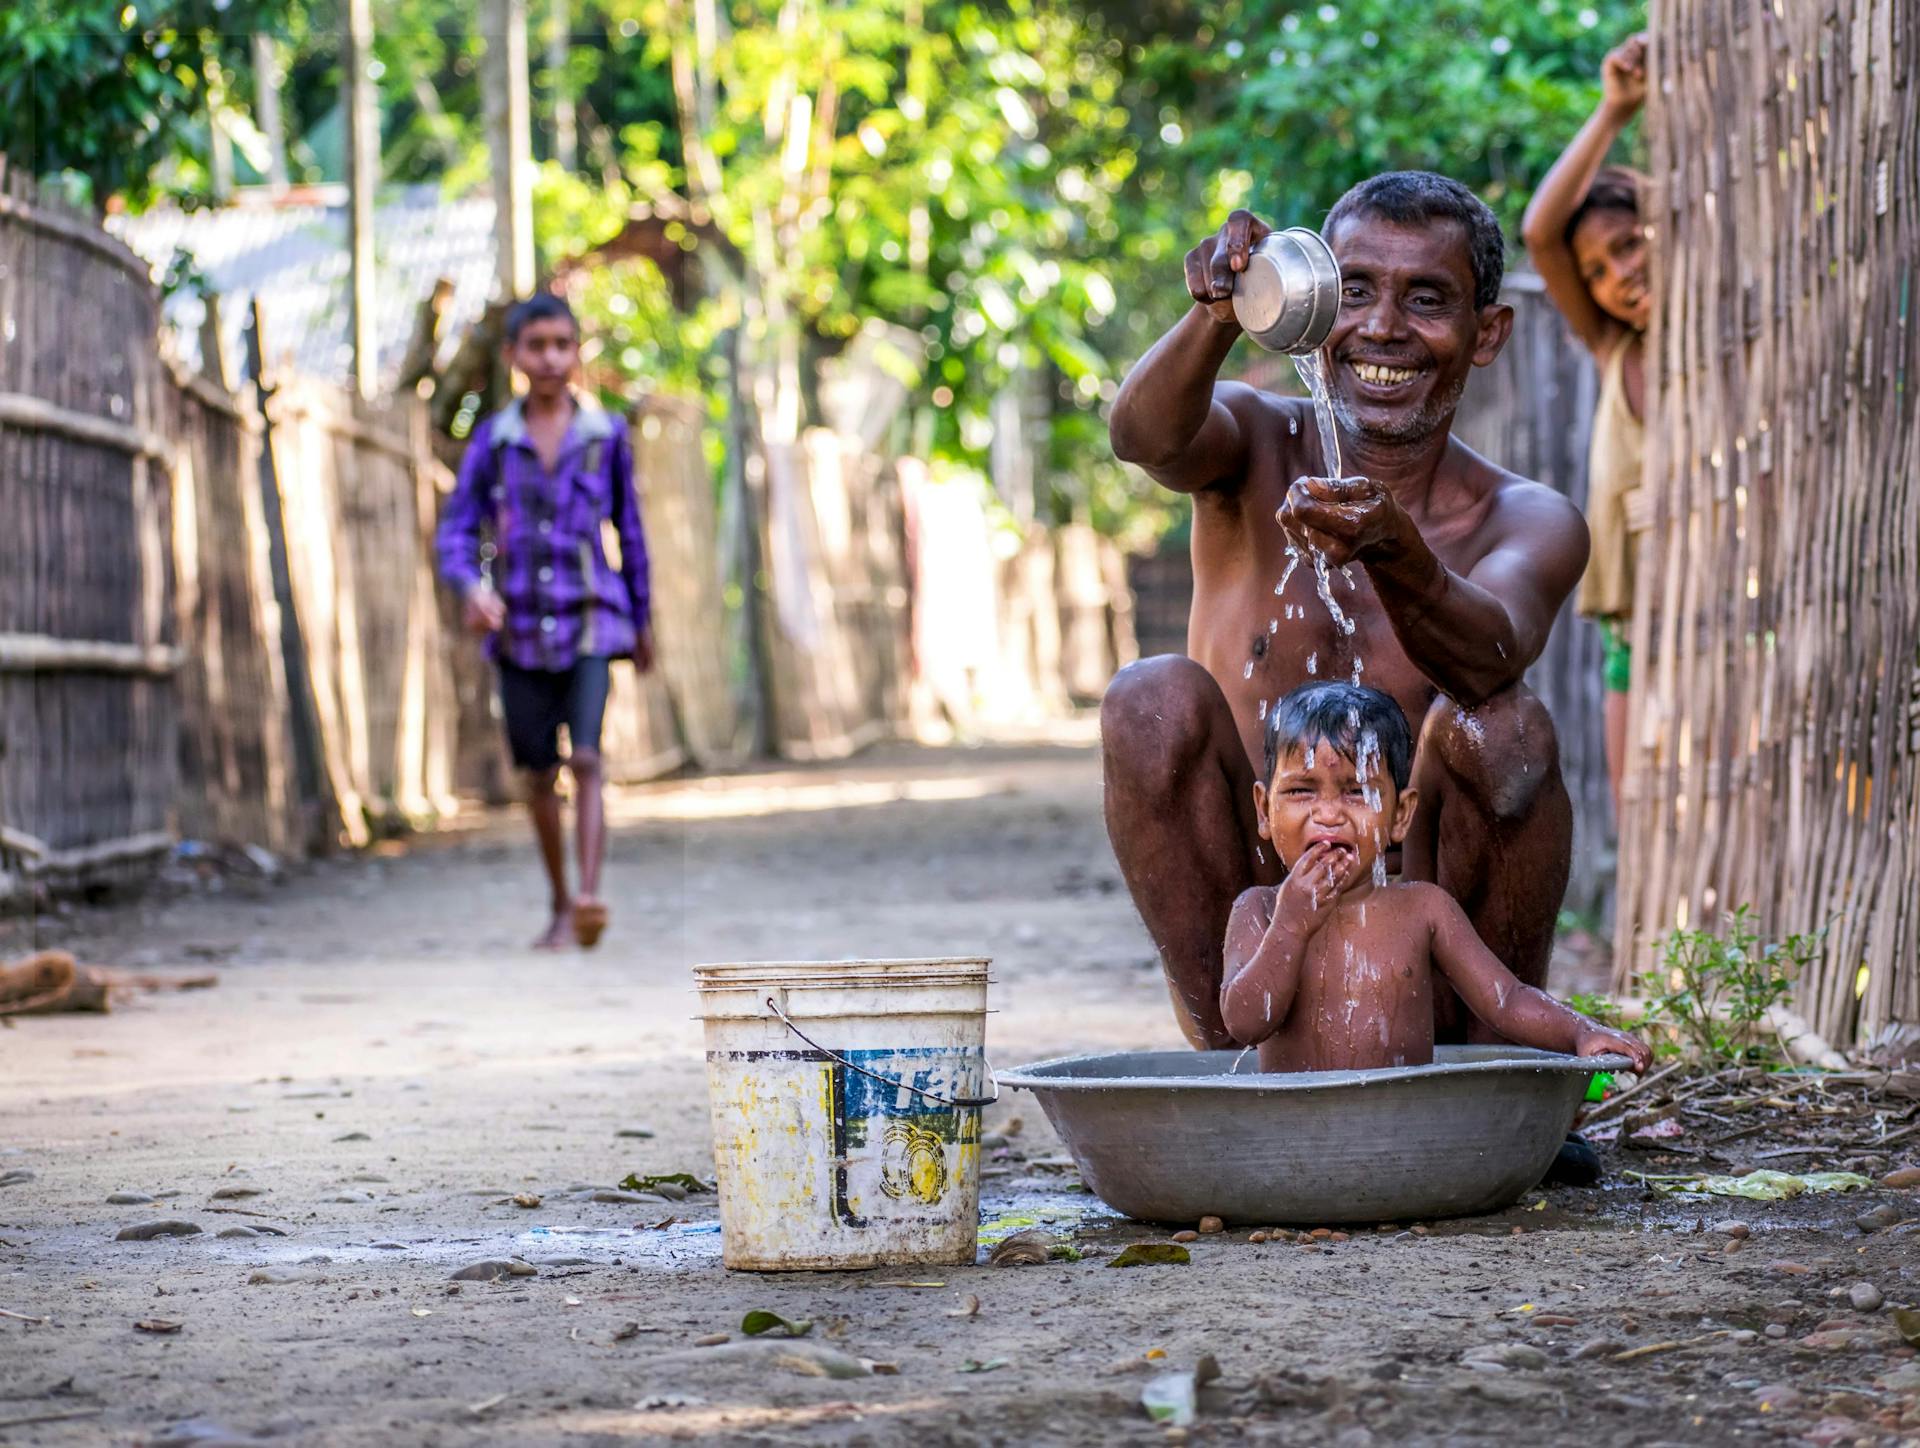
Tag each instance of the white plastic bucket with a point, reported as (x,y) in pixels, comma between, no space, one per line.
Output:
(860,1145)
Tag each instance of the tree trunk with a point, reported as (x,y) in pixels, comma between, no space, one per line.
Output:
(559,41)
(510,142)
(363,175)
(266,111)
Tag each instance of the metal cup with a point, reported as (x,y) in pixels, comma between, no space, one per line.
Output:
(1289,294)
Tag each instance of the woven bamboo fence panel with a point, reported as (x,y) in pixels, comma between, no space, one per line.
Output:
(238,779)
(1775,759)
(87,656)
(355,483)
(839,648)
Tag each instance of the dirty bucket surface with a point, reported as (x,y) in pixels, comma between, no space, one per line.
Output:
(846,1110)
(1172,1136)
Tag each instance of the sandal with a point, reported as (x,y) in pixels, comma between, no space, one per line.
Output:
(589,920)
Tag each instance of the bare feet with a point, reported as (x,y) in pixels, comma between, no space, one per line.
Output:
(559,929)
(589,920)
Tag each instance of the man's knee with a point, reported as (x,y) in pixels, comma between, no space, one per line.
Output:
(1156,719)
(1504,752)
(584,766)
(542,782)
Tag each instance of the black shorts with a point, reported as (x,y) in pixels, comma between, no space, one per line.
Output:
(537,702)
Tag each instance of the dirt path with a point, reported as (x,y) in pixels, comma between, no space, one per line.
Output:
(386,1065)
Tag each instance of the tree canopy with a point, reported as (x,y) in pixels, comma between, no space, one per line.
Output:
(1006,186)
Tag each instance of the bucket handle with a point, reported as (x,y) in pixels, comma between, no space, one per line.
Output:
(836,1058)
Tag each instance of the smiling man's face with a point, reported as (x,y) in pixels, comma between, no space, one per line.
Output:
(1408,332)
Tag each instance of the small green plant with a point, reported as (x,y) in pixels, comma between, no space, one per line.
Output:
(1598,1008)
(1712,991)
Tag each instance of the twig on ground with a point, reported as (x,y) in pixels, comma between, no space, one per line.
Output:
(50,1417)
(1655,1347)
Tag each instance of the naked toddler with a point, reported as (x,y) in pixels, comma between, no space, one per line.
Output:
(1334,968)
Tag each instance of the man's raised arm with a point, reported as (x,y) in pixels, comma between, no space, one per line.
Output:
(1171,417)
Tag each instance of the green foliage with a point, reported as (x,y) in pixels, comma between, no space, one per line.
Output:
(1598,1008)
(1711,992)
(1316,98)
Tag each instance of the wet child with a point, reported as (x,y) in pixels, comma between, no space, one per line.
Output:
(1335,968)
(544,475)
(1586,239)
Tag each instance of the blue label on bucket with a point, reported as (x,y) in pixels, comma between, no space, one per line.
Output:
(910,1134)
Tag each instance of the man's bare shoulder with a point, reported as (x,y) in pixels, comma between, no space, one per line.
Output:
(1517,504)
(1272,426)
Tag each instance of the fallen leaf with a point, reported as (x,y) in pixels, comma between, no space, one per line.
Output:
(157,1324)
(969,1307)
(974,1365)
(760,1320)
(1030,1248)
(685,1180)
(1152,1254)
(1907,1319)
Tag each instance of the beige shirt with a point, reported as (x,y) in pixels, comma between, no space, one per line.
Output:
(1616,514)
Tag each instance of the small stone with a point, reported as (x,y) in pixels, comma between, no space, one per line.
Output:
(525,1199)
(1188,1235)
(354,1136)
(1210,1225)
(1733,1229)
(147,1231)
(354,1198)
(1878,1219)
(1599,1347)
(1743,1337)
(623,1198)
(713,1339)
(234,1194)
(1735,1244)
(1501,1356)
(1320,1234)
(1865,1297)
(1776,1330)
(19,1176)
(1776,1397)
(128,1199)
(367,1176)
(635,1133)
(1257,1238)
(491,1270)
(1906,1176)
(1788,1269)
(279,1277)
(1342,1236)
(236,1232)
(1829,1339)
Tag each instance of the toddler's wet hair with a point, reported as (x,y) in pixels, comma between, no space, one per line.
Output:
(540,307)
(1343,715)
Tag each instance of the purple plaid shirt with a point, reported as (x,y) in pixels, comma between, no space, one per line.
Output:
(563,598)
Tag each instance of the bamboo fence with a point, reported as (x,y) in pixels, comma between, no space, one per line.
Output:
(1776,703)
(87,644)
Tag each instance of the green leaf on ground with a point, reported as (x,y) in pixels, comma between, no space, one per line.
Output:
(1153,1254)
(685,1180)
(974,1365)
(1760,1186)
(760,1320)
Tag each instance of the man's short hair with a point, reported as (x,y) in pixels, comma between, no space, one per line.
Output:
(1409,197)
(540,307)
(1354,719)
(1614,188)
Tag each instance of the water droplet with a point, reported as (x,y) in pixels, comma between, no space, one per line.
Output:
(1293,425)
(1313,662)
(1273,625)
(1247,673)
(1263,708)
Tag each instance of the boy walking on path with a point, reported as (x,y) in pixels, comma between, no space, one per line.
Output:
(543,476)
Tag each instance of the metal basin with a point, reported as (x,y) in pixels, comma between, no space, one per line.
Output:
(1172,1136)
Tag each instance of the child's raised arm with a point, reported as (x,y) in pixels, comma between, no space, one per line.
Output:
(1266,943)
(1519,1012)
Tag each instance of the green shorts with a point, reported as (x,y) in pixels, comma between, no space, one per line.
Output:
(1616,657)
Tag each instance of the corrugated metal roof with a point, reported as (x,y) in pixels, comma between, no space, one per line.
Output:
(293,256)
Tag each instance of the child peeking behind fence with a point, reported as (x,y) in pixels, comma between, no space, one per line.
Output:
(543,476)
(1333,968)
